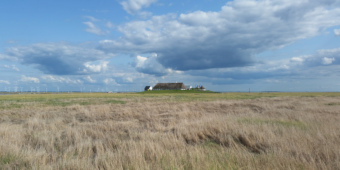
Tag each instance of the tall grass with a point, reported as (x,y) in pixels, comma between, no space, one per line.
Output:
(170,131)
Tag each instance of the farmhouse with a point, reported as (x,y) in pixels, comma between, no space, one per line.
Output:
(148,88)
(169,86)
(202,88)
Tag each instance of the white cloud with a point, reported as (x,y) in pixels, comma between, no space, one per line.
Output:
(15,68)
(133,6)
(91,28)
(110,25)
(324,57)
(52,78)
(4,82)
(320,58)
(95,68)
(12,67)
(3,56)
(29,79)
(144,14)
(93,19)
(322,63)
(150,65)
(223,39)
(110,81)
(128,79)
(60,58)
(327,61)
(89,79)
(59,79)
(337,32)
(273,81)
(297,59)
(140,61)
(8,57)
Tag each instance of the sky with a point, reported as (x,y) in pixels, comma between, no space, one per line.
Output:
(125,45)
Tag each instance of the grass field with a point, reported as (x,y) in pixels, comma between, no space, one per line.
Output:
(170,130)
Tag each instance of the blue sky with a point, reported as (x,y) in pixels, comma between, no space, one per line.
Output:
(124,45)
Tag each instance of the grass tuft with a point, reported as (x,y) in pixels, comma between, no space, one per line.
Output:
(333,104)
(286,123)
(7,159)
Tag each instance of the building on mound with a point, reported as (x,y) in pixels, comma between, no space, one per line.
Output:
(169,86)
(148,88)
(202,88)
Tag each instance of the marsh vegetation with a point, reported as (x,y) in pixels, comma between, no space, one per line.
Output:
(170,131)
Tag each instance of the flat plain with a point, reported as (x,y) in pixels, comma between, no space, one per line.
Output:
(170,130)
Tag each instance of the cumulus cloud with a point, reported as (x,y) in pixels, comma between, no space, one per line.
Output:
(89,79)
(150,65)
(297,59)
(60,59)
(327,61)
(4,82)
(110,24)
(91,18)
(322,63)
(58,79)
(224,39)
(12,67)
(3,57)
(29,79)
(323,57)
(337,32)
(133,6)
(128,79)
(7,57)
(95,68)
(92,28)
(248,73)
(110,81)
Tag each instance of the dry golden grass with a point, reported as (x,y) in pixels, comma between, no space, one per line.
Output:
(155,133)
